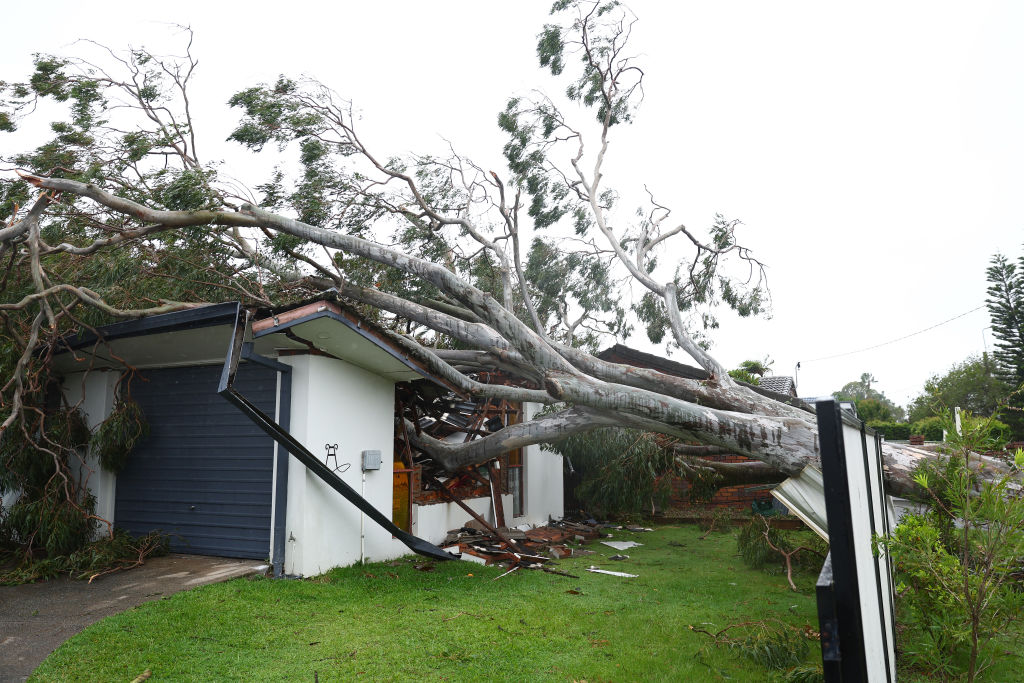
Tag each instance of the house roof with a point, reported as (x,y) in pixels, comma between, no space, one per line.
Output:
(193,336)
(202,335)
(332,328)
(620,353)
(778,384)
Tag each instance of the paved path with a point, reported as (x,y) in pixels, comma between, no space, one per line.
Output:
(36,618)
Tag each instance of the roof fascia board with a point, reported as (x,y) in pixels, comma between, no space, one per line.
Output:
(192,318)
(325,309)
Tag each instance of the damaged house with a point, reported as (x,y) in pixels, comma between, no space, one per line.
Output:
(230,480)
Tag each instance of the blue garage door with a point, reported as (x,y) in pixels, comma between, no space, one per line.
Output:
(205,472)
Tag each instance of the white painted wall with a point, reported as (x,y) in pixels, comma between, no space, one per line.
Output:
(336,402)
(93,394)
(543,475)
(433,522)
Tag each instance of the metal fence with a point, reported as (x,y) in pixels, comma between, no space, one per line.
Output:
(854,590)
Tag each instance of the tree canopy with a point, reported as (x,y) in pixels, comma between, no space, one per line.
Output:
(969,384)
(1006,307)
(871,403)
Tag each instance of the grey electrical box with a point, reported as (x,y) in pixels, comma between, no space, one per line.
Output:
(371,460)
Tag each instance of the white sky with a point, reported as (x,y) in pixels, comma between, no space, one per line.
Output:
(874,151)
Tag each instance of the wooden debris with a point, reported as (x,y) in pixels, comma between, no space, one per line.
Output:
(522,547)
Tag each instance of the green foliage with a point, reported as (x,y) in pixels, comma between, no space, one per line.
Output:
(751,371)
(957,565)
(930,427)
(1006,307)
(876,405)
(118,435)
(971,384)
(771,644)
(744,376)
(186,190)
(122,551)
(756,552)
(719,521)
(651,311)
(625,471)
(566,285)
(874,410)
(805,673)
(53,510)
(51,522)
(757,367)
(892,431)
(774,647)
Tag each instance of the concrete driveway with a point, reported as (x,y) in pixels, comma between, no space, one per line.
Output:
(36,618)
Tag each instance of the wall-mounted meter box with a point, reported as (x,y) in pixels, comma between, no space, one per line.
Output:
(371,460)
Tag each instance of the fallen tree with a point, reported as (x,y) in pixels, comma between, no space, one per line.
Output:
(129,222)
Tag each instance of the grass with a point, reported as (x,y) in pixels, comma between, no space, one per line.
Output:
(390,621)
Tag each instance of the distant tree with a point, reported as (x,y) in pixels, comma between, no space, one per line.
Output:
(757,367)
(869,409)
(869,401)
(751,371)
(1006,306)
(857,390)
(971,384)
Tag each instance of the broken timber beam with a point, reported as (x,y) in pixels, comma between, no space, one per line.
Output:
(455,499)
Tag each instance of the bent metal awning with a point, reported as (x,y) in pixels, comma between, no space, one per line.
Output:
(238,350)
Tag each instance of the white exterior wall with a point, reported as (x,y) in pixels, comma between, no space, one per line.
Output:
(544,497)
(433,522)
(93,394)
(336,402)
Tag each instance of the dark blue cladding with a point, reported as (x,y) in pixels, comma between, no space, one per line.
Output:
(205,472)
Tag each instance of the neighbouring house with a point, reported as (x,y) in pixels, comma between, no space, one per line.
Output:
(332,380)
(738,497)
(780,384)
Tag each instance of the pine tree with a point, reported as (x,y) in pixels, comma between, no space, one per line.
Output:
(1006,306)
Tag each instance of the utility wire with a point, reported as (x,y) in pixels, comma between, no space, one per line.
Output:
(893,341)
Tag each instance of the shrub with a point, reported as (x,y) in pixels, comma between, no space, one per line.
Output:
(892,431)
(929,427)
(955,565)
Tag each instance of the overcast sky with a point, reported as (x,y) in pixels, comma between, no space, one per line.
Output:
(873,151)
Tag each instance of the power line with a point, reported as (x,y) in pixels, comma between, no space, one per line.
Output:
(893,341)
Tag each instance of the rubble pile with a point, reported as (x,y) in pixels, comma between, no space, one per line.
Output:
(528,547)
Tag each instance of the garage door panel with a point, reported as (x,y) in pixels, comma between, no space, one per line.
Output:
(205,471)
(178,508)
(225,520)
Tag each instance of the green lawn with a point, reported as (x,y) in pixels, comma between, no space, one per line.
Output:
(389,621)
